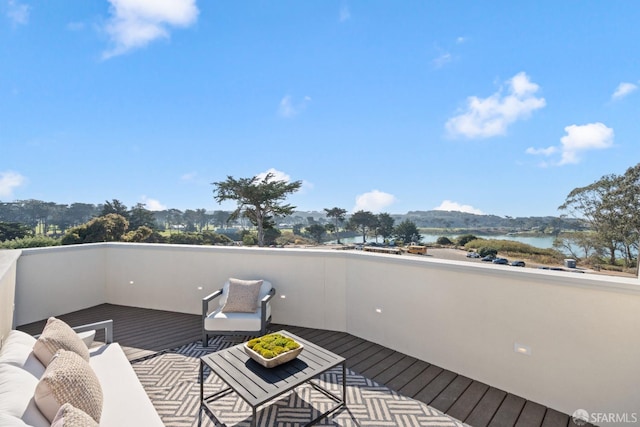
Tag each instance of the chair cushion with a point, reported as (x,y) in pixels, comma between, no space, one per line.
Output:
(69,379)
(55,336)
(70,416)
(220,321)
(243,296)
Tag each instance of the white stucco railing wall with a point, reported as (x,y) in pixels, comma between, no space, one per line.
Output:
(56,280)
(8,267)
(581,330)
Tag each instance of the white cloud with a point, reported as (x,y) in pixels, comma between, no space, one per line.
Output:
(277,175)
(542,151)
(448,205)
(442,60)
(288,108)
(623,90)
(579,139)
(281,176)
(18,13)
(345,13)
(461,40)
(484,118)
(76,26)
(592,136)
(153,204)
(374,201)
(9,181)
(136,23)
(189,176)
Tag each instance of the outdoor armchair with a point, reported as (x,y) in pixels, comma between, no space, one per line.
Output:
(217,320)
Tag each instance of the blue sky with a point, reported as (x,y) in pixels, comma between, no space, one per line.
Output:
(497,107)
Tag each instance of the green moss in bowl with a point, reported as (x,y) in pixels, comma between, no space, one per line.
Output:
(272,345)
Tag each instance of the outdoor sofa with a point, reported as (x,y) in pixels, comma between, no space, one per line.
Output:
(124,401)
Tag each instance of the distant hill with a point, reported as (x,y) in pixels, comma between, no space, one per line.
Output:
(464,220)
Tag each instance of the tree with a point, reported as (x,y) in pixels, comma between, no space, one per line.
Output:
(316,231)
(140,216)
(108,228)
(385,225)
(363,221)
(338,215)
(219,218)
(610,207)
(13,230)
(257,199)
(114,207)
(407,231)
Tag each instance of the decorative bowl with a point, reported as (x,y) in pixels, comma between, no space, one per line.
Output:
(270,362)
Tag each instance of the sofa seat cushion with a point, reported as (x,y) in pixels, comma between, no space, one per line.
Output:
(126,403)
(9,421)
(58,335)
(18,351)
(17,388)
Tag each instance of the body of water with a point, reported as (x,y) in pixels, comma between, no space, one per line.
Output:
(543,242)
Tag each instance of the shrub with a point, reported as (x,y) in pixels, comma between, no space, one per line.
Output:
(186,238)
(486,251)
(211,238)
(443,240)
(30,242)
(465,238)
(249,240)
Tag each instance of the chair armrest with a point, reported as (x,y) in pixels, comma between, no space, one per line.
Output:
(207,299)
(267,298)
(107,325)
(263,316)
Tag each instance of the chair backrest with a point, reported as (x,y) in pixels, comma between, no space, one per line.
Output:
(264,290)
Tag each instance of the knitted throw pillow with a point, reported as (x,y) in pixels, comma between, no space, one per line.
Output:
(70,416)
(69,379)
(58,335)
(243,296)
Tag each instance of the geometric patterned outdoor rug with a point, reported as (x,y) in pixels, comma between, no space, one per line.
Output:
(170,378)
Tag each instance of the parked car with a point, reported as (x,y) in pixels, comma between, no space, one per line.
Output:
(500,261)
(473,255)
(517,263)
(488,258)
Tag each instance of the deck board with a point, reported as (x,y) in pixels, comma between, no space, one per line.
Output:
(451,393)
(532,415)
(464,405)
(484,411)
(142,332)
(435,387)
(413,387)
(508,413)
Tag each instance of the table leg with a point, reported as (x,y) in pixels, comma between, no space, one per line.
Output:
(201,382)
(344,383)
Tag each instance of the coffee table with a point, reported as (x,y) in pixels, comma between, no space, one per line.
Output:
(258,385)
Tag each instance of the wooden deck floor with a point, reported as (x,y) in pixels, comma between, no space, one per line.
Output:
(142,332)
